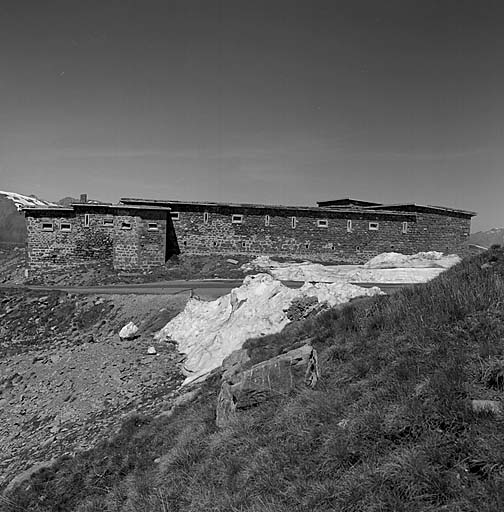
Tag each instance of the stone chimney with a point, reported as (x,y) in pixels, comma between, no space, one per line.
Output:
(83,198)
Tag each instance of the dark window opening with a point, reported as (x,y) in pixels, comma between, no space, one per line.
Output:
(175,215)
(236,219)
(125,225)
(153,226)
(86,220)
(47,226)
(108,223)
(65,226)
(205,217)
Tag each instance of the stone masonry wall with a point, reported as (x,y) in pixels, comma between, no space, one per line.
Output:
(95,242)
(142,247)
(306,240)
(440,233)
(219,235)
(96,234)
(50,248)
(153,246)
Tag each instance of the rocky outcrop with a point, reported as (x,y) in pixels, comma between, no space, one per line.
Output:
(266,380)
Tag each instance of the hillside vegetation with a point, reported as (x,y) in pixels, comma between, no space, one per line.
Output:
(389,427)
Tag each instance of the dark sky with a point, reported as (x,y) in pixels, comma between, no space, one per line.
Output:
(284,102)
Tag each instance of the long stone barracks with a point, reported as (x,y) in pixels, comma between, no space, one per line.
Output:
(140,234)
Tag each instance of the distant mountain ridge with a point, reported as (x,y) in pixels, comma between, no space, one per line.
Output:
(488,238)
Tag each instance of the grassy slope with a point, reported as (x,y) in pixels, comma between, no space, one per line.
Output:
(388,428)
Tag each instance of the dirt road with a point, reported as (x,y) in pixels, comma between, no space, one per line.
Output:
(206,289)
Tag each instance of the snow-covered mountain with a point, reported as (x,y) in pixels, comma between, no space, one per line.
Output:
(22,201)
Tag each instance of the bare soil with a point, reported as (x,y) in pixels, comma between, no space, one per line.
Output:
(68,381)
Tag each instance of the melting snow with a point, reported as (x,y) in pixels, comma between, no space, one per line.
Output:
(207,332)
(385,268)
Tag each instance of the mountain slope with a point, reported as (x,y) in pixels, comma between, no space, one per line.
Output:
(488,238)
(22,201)
(12,222)
(391,425)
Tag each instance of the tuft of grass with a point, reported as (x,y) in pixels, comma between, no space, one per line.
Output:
(388,427)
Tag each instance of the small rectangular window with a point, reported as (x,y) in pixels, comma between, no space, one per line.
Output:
(349,226)
(86,220)
(125,225)
(266,220)
(153,226)
(236,219)
(404,227)
(47,226)
(205,217)
(322,223)
(108,222)
(65,226)
(175,215)
(293,222)
(373,226)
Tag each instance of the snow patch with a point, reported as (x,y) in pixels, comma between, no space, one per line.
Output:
(207,332)
(392,268)
(430,259)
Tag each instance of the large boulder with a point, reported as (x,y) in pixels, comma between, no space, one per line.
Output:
(129,331)
(269,379)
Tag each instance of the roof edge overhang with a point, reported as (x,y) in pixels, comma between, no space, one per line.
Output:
(47,209)
(91,206)
(347,201)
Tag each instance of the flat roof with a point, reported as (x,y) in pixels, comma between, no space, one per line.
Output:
(119,206)
(433,207)
(319,209)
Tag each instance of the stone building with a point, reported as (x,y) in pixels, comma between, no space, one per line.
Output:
(140,234)
(345,230)
(129,237)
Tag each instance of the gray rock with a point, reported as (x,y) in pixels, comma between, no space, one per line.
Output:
(275,377)
(234,363)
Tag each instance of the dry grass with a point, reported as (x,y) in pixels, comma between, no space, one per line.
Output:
(389,428)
